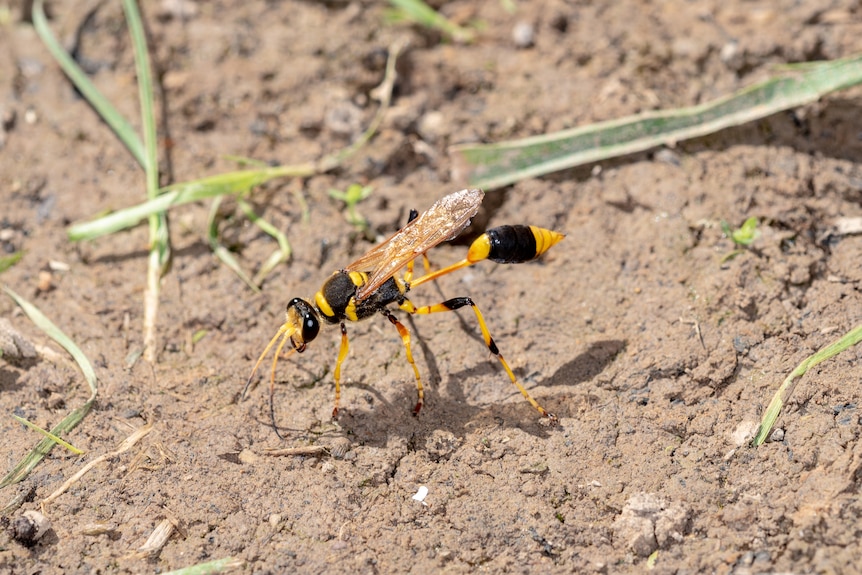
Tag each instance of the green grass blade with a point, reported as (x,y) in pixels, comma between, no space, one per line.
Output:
(422,14)
(281,255)
(125,132)
(234,183)
(221,252)
(160,240)
(57,335)
(145,93)
(72,419)
(43,448)
(496,165)
(779,400)
(47,434)
(158,221)
(7,262)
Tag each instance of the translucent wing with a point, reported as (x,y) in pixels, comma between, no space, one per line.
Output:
(443,221)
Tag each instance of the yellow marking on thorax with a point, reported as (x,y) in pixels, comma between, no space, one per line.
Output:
(359,279)
(323,305)
(400,284)
(350,310)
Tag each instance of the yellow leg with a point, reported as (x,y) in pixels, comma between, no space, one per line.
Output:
(408,275)
(441,272)
(281,343)
(284,330)
(426,263)
(405,338)
(342,355)
(459,302)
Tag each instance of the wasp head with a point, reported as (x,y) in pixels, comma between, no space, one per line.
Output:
(302,323)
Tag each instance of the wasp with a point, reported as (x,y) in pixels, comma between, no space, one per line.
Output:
(371,284)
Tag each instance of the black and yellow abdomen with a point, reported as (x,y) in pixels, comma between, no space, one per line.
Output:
(512,244)
(336,300)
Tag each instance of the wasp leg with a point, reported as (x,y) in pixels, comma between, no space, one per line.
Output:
(285,338)
(459,302)
(426,263)
(408,275)
(342,355)
(405,338)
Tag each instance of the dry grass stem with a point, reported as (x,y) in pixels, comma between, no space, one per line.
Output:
(124,446)
(308,450)
(158,537)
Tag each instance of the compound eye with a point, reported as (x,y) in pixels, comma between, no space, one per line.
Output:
(310,327)
(303,319)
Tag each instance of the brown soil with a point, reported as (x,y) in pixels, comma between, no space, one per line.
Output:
(657,354)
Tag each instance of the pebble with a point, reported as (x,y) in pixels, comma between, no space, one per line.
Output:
(524,35)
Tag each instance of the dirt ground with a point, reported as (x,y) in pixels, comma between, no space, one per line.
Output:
(657,354)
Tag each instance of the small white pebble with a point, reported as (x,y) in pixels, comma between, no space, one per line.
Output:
(58,266)
(744,432)
(523,34)
(421,494)
(728,51)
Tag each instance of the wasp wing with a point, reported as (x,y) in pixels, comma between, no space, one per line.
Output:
(443,221)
